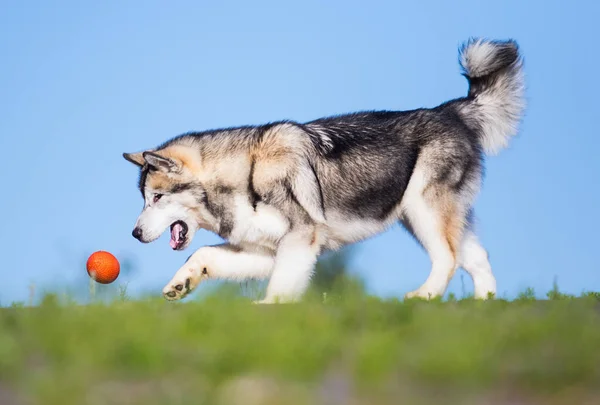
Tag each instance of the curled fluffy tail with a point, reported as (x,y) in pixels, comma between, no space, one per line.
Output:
(495,103)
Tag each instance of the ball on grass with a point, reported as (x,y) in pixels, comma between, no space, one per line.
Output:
(103,267)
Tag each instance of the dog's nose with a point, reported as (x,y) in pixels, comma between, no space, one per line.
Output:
(137,233)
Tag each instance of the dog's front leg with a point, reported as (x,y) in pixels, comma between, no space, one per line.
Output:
(294,265)
(225,262)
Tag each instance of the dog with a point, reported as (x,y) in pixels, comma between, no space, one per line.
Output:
(282,193)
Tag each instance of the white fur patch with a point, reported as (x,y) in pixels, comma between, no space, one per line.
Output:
(477,57)
(263,226)
(341,229)
(294,266)
(326,140)
(498,111)
(225,264)
(474,259)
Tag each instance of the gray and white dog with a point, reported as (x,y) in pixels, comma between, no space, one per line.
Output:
(281,194)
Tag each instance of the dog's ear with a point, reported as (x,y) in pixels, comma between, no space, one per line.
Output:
(135,158)
(160,162)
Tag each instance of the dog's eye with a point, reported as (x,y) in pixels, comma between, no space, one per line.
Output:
(157,197)
(204,271)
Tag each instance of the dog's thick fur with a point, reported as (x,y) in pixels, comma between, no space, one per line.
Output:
(281,194)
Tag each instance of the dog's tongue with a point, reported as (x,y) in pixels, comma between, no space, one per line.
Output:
(175,233)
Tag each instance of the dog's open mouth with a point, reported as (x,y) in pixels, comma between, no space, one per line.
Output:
(179,231)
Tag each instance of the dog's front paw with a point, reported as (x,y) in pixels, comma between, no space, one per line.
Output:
(177,289)
(195,270)
(185,281)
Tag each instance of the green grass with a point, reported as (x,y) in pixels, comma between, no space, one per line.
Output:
(345,348)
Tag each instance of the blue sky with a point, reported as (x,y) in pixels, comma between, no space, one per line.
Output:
(83,82)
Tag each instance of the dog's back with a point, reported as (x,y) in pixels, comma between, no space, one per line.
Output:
(366,160)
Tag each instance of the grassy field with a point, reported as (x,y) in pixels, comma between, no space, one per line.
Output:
(345,348)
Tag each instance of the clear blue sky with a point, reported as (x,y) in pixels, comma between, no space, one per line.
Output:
(82,83)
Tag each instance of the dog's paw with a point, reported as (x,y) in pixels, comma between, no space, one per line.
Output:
(422,294)
(277,300)
(263,301)
(187,278)
(177,289)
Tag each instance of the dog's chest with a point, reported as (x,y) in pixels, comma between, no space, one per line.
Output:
(264,225)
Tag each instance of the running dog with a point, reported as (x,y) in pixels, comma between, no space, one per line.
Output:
(282,193)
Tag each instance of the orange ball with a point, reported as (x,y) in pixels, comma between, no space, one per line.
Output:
(103,267)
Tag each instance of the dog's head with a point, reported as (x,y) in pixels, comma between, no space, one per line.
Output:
(173,197)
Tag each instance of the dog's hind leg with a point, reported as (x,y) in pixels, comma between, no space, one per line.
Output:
(474,259)
(433,213)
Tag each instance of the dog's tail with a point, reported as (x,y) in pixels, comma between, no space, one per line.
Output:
(495,103)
